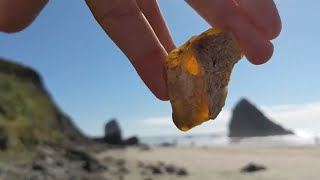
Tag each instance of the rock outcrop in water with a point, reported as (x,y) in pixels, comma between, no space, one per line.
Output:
(113,135)
(248,121)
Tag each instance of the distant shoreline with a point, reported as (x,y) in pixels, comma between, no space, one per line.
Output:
(299,139)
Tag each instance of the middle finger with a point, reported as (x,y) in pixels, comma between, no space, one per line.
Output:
(152,12)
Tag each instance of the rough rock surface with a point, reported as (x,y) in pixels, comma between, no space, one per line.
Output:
(112,133)
(3,139)
(248,121)
(198,74)
(55,163)
(131,141)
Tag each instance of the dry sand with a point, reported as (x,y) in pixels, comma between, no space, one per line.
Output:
(223,162)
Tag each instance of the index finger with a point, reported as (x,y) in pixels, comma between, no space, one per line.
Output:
(123,21)
(228,16)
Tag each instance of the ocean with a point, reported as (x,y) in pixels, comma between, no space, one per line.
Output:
(299,138)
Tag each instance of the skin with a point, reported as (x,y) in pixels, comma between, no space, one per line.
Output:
(139,30)
(15,15)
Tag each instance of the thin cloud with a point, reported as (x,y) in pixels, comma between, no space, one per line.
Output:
(294,116)
(297,116)
(158,121)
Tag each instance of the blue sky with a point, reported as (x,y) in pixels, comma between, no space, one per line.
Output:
(92,81)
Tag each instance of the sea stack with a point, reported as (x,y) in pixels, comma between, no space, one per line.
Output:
(248,121)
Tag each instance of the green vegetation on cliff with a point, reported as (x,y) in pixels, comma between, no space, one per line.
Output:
(28,117)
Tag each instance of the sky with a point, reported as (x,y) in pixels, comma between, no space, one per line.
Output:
(92,81)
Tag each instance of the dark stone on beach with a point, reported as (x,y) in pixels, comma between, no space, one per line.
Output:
(37,166)
(170,169)
(182,172)
(155,170)
(90,164)
(74,154)
(2,111)
(60,163)
(251,167)
(3,139)
(112,133)
(123,170)
(93,166)
(77,164)
(131,141)
(248,121)
(108,159)
(121,162)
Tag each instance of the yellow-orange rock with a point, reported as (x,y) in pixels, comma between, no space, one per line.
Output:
(198,73)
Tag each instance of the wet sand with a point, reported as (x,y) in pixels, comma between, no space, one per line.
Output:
(219,162)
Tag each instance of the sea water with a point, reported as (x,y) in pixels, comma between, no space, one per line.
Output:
(300,137)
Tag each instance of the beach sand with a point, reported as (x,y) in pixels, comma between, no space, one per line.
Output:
(219,162)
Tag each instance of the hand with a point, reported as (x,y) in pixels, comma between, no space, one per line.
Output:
(146,40)
(253,22)
(138,28)
(16,15)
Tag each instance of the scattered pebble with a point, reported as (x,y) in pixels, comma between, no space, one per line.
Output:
(170,169)
(252,167)
(120,162)
(182,172)
(156,170)
(59,163)
(38,166)
(108,159)
(123,170)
